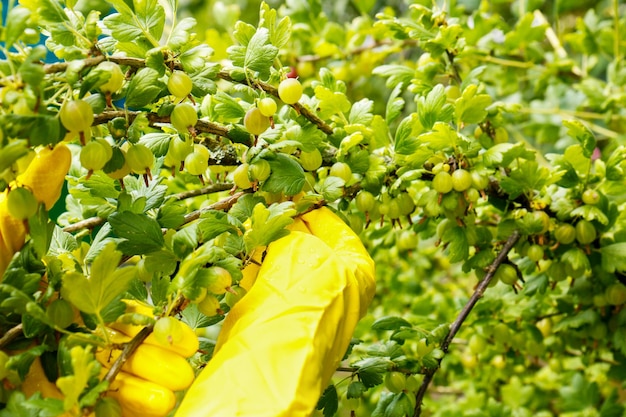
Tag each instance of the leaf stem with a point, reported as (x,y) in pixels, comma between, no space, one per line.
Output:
(458,322)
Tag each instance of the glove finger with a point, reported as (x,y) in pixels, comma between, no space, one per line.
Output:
(140,397)
(154,364)
(328,227)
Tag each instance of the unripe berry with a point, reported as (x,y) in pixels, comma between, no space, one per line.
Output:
(290,90)
(255,122)
(179,84)
(116,78)
(267,106)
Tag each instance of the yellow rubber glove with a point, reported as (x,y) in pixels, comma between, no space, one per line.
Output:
(282,342)
(44,177)
(145,386)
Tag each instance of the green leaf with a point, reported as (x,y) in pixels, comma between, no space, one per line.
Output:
(244,207)
(331,188)
(538,284)
(440,138)
(433,108)
(258,55)
(153,195)
(41,231)
(356,389)
(213,223)
(329,401)
(31,72)
(385,399)
(371,370)
(505,153)
(614,257)
(579,394)
(39,129)
(195,319)
(84,366)
(589,212)
(583,134)
(123,27)
(397,75)
(161,263)
(405,141)
(105,282)
(619,339)
(390,323)
(287,176)
(143,88)
(18,406)
(527,177)
(12,152)
(16,22)
(181,33)
(62,242)
(471,107)
(142,234)
(331,102)
(172,216)
(268,224)
(577,321)
(227,107)
(279,31)
(185,240)
(157,142)
(361,112)
(455,239)
(243,33)
(611,406)
(395,104)
(196,61)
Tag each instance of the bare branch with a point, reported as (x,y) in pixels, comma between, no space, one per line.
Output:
(203,126)
(456,325)
(89,223)
(270,89)
(10,335)
(225,204)
(129,349)
(213,188)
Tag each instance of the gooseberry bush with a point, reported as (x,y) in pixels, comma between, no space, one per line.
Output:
(477,148)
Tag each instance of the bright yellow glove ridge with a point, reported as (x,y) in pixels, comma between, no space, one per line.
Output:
(282,342)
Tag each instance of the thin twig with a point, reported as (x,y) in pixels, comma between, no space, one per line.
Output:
(88,223)
(270,89)
(220,205)
(10,335)
(213,188)
(202,126)
(456,325)
(128,350)
(93,222)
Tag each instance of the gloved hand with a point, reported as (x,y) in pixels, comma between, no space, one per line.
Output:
(281,343)
(145,386)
